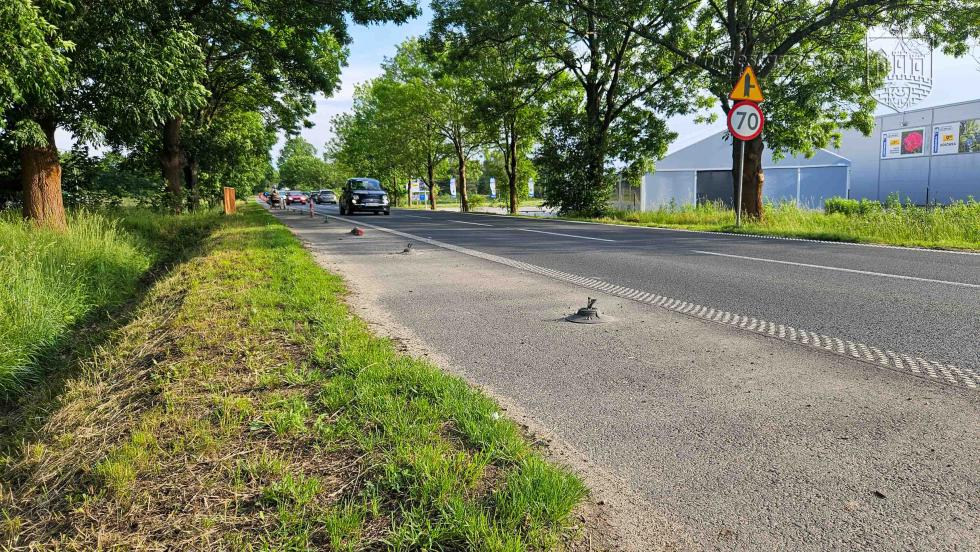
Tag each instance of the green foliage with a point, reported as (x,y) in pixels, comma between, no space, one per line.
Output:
(850,206)
(305,172)
(100,182)
(32,55)
(235,153)
(295,146)
(562,163)
(623,86)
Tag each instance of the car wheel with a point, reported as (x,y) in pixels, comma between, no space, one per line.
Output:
(387,213)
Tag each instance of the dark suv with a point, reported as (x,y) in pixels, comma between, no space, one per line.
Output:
(364,195)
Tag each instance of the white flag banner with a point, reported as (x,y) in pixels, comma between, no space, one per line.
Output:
(493,187)
(530,187)
(452,187)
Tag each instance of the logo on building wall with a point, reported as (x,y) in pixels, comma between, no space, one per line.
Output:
(907,68)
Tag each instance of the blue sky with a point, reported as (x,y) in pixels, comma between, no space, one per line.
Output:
(956,80)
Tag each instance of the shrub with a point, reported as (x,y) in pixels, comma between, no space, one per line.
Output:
(850,206)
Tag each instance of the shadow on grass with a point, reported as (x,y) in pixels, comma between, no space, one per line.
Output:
(22,416)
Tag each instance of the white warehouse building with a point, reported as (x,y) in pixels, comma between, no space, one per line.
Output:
(926,156)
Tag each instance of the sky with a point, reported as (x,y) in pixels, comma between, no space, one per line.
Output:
(955,80)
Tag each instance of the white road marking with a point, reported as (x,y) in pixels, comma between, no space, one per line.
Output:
(839,269)
(473,223)
(565,235)
(955,375)
(416,216)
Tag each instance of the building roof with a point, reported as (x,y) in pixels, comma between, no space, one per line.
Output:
(715,153)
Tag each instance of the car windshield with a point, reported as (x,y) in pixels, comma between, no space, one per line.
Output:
(367,185)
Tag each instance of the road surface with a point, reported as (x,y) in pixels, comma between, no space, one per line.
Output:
(914,303)
(730,436)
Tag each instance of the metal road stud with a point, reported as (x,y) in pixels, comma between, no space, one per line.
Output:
(589,314)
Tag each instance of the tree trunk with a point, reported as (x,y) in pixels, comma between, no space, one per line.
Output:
(171,163)
(512,168)
(191,172)
(461,184)
(40,174)
(752,176)
(432,184)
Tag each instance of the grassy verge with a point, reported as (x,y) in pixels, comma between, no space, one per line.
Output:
(955,226)
(244,407)
(54,282)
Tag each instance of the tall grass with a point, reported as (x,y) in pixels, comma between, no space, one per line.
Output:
(52,281)
(955,226)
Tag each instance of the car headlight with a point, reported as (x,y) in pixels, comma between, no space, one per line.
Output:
(384,200)
(355,198)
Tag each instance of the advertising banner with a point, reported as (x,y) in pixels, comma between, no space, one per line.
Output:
(903,143)
(946,139)
(969,136)
(493,187)
(452,186)
(530,187)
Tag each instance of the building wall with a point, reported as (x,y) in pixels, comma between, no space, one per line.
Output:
(943,178)
(663,188)
(809,186)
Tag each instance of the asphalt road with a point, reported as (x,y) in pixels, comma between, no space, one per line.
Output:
(720,438)
(918,303)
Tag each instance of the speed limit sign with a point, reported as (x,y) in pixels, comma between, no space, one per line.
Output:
(745,120)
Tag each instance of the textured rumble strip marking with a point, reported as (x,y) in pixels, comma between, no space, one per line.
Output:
(960,376)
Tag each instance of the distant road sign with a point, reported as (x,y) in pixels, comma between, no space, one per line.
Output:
(745,120)
(747,88)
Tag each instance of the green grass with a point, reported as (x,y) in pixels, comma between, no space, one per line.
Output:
(244,407)
(54,281)
(955,226)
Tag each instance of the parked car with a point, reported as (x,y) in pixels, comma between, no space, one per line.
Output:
(364,195)
(295,196)
(324,196)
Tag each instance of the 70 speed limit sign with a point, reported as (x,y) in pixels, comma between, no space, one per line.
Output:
(745,120)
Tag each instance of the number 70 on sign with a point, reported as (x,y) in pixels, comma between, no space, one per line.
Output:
(745,120)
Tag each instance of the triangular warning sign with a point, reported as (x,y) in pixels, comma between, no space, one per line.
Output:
(747,87)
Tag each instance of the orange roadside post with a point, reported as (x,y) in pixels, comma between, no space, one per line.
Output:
(229,201)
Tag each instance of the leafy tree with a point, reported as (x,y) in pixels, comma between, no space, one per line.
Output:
(363,141)
(96,182)
(97,79)
(269,57)
(626,84)
(810,57)
(404,106)
(304,172)
(235,153)
(296,145)
(420,107)
(514,85)
(32,60)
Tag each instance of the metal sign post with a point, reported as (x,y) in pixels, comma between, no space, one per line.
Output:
(741,174)
(745,122)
